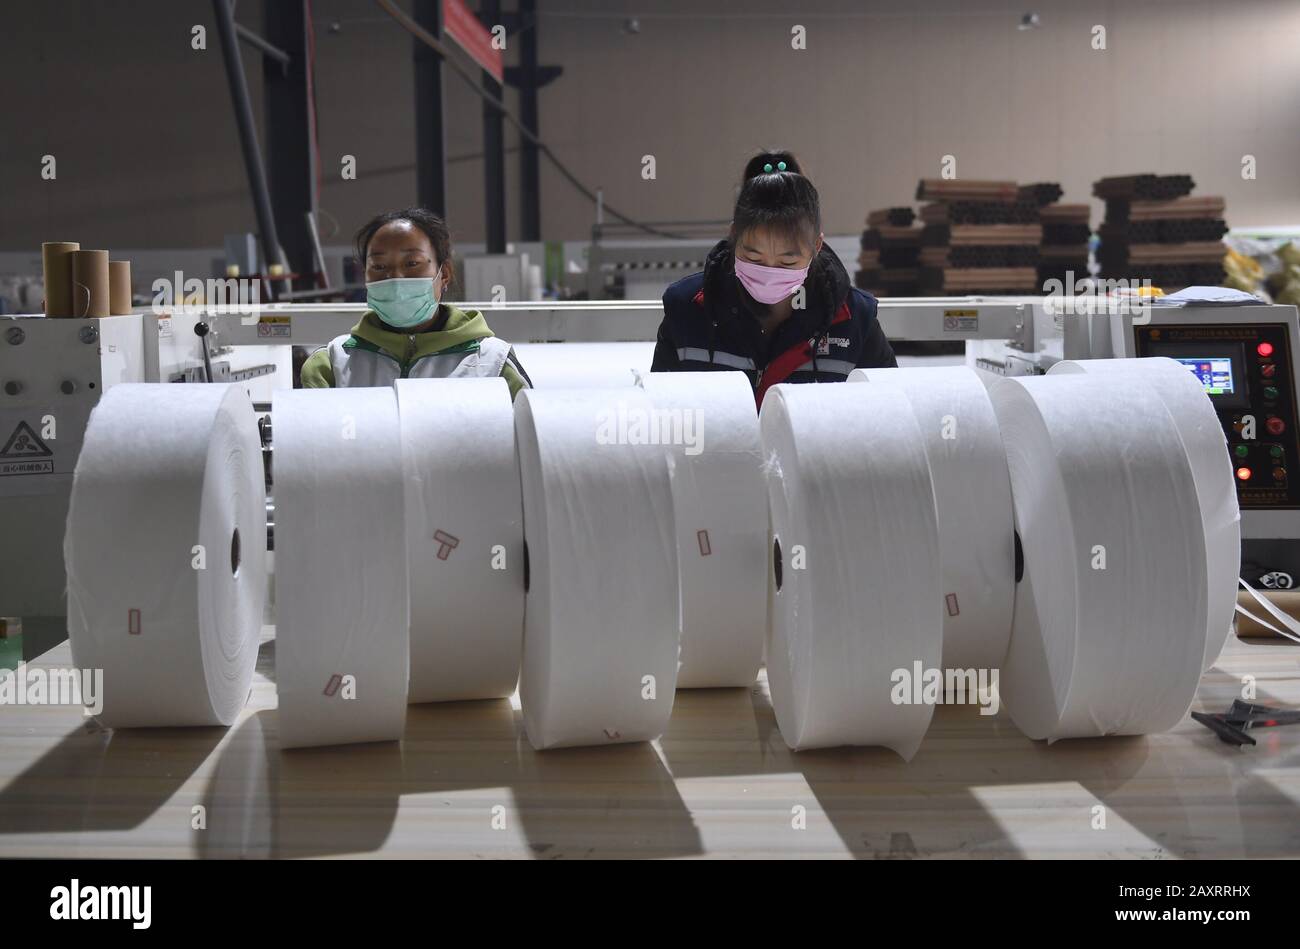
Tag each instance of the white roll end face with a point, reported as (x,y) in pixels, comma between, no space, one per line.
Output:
(342,653)
(601,624)
(165,550)
(465,538)
(857,611)
(720,505)
(1216,491)
(1106,639)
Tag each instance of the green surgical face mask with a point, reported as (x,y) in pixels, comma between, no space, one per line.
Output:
(402,302)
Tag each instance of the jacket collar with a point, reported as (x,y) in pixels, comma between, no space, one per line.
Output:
(460,328)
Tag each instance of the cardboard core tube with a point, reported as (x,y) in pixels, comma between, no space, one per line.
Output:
(89,283)
(1288,601)
(119,287)
(56,267)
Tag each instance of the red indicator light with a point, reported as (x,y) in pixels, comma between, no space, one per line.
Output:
(1243,474)
(1274,425)
(1264,349)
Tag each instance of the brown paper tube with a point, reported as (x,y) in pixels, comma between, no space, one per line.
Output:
(119,287)
(90,283)
(56,265)
(1288,601)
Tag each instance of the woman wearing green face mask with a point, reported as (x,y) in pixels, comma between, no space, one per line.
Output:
(408,331)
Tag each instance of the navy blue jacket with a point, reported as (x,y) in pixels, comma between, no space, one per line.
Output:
(710,324)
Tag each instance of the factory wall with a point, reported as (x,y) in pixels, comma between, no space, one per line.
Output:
(148,157)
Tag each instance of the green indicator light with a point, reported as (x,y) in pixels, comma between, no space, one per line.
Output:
(1275,451)
(1242,451)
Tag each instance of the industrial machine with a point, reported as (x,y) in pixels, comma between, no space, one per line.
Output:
(52,372)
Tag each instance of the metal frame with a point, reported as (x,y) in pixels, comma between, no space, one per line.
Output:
(224,13)
(290,148)
(430,132)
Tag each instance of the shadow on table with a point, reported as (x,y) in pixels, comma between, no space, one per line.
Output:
(96,779)
(617,801)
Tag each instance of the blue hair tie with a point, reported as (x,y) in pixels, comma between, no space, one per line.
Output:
(780,166)
(767,169)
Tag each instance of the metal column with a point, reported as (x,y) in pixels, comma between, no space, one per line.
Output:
(430,136)
(290,132)
(225,18)
(494,149)
(528,78)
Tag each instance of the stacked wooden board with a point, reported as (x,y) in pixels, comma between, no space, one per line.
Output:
(978,237)
(887,265)
(1156,230)
(1063,253)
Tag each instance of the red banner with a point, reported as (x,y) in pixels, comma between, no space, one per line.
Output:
(460,23)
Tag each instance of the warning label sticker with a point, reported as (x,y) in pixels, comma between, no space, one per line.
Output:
(958,321)
(23,452)
(275,326)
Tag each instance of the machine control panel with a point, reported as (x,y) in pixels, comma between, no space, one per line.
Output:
(1247,370)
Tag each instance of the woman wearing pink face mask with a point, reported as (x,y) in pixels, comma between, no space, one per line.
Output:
(773,300)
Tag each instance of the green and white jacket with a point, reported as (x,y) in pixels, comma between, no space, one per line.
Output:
(374,355)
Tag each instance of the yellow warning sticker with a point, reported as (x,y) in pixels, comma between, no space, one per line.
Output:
(961,321)
(275,326)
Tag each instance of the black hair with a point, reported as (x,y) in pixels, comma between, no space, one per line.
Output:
(783,200)
(770,161)
(434,227)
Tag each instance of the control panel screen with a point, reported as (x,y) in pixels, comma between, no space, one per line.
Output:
(1214,372)
(1220,367)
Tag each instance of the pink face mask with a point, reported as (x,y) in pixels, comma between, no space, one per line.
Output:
(769,284)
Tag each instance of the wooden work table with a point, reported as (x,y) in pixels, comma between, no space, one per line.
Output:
(465,783)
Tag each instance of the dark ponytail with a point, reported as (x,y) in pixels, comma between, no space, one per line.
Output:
(770,162)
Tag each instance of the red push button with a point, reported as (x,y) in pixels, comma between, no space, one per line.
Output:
(1268,370)
(1243,474)
(1275,425)
(1264,349)
(1279,474)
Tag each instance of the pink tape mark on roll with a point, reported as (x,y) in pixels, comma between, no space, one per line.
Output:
(133,622)
(333,684)
(951,600)
(447,542)
(702,537)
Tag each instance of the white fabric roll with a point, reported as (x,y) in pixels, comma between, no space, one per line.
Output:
(341,653)
(1106,639)
(1203,439)
(584,365)
(601,616)
(851,494)
(720,506)
(972,492)
(166,553)
(464,536)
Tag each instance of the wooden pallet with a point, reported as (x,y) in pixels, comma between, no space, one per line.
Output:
(1200,252)
(1178,208)
(943,189)
(1065,214)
